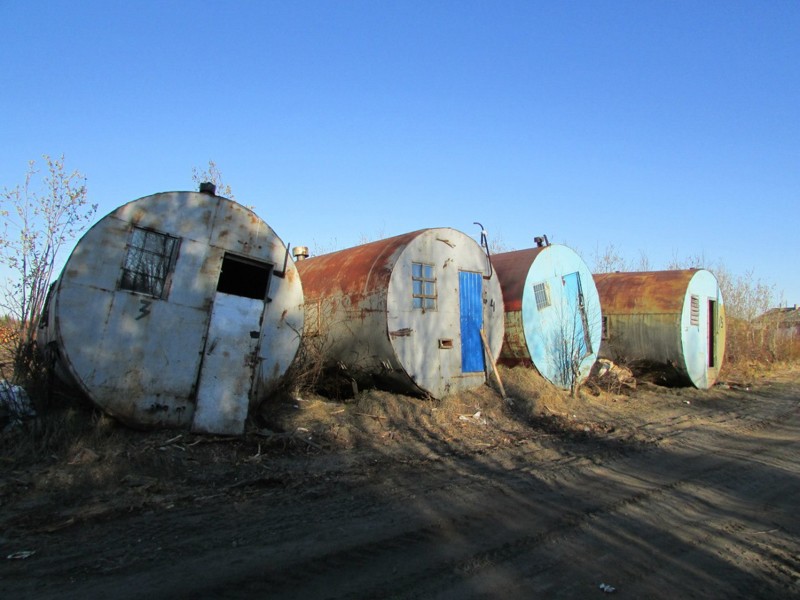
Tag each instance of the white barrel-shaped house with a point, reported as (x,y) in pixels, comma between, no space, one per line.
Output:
(553,312)
(657,319)
(407,312)
(176,310)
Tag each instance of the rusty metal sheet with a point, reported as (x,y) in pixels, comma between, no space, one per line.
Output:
(512,271)
(643,292)
(672,319)
(354,272)
(360,301)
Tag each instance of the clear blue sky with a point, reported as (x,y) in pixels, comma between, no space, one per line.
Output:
(669,129)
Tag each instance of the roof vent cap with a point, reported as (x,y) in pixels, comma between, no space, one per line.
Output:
(300,252)
(207,187)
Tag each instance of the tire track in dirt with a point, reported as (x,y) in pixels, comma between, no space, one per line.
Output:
(448,526)
(443,575)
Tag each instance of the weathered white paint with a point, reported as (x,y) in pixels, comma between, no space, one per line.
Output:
(360,310)
(138,357)
(226,374)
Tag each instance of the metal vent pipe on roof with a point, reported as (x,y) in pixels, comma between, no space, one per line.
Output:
(207,187)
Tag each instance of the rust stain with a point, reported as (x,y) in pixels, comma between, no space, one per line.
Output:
(515,349)
(137,216)
(646,292)
(512,270)
(405,332)
(353,273)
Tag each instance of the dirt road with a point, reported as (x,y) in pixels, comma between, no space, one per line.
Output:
(680,495)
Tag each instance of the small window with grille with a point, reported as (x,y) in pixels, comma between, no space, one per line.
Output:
(148,262)
(542,293)
(694,317)
(423,281)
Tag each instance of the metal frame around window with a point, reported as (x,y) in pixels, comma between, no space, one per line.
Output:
(423,286)
(149,262)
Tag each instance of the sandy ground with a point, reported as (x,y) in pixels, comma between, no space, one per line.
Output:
(660,493)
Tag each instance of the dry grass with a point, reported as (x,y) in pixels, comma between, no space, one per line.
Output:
(465,422)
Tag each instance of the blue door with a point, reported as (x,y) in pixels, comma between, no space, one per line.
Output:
(471,299)
(576,322)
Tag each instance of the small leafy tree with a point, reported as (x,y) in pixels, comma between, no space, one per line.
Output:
(212,175)
(41,216)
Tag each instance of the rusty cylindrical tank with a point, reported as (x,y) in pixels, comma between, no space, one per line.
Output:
(665,318)
(179,309)
(406,311)
(553,313)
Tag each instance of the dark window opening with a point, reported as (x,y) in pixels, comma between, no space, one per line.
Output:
(712,331)
(244,277)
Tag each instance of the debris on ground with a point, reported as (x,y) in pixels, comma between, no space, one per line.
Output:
(15,406)
(613,375)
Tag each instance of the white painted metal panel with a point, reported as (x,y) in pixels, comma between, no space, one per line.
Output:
(549,328)
(695,337)
(137,356)
(430,349)
(226,375)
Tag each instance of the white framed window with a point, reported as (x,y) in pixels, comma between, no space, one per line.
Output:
(423,283)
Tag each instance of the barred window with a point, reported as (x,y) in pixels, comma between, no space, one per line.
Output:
(149,261)
(423,281)
(542,293)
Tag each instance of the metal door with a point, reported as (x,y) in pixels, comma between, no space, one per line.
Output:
(575,320)
(471,309)
(226,374)
(712,333)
